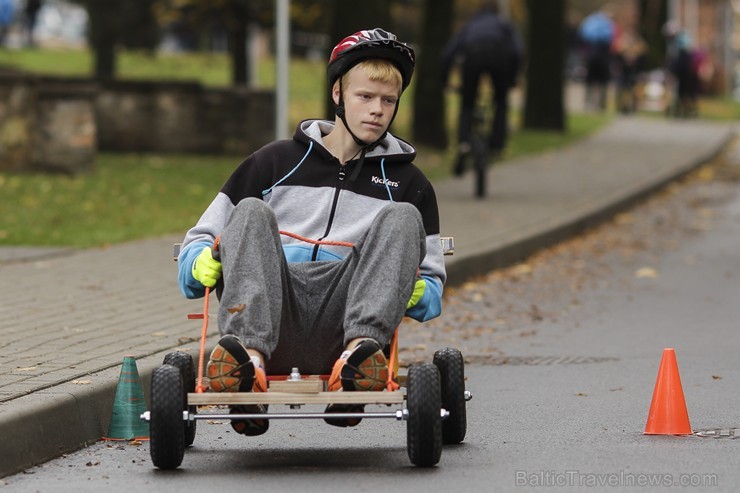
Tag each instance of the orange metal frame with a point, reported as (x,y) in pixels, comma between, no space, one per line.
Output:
(391,384)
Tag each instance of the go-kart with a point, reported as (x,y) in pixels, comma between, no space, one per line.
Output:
(431,399)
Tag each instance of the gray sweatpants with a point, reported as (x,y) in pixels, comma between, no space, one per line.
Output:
(303,314)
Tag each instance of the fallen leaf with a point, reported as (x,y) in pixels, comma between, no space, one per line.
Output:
(624,218)
(135,442)
(237,309)
(82,382)
(581,394)
(706,174)
(716,377)
(26,368)
(646,272)
(536,314)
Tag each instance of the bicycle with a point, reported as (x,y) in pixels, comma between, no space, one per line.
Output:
(479,149)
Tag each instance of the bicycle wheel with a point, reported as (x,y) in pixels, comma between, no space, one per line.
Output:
(480,163)
(184,363)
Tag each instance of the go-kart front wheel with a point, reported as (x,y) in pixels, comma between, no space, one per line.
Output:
(451,367)
(166,434)
(424,402)
(184,362)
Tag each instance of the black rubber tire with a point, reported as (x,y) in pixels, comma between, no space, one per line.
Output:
(424,427)
(451,367)
(184,362)
(166,437)
(480,164)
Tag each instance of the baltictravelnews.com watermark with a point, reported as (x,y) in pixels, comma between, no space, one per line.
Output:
(575,478)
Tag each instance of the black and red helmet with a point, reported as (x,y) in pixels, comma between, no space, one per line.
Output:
(372,43)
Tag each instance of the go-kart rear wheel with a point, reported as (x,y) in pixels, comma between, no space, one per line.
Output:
(166,437)
(424,428)
(184,363)
(451,367)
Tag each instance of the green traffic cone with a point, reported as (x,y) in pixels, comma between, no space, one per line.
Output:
(129,404)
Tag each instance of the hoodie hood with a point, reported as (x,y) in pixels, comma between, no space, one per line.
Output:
(390,148)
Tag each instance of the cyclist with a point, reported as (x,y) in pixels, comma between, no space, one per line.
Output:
(324,308)
(488,44)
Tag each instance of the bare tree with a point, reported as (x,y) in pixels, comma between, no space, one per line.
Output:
(544,108)
(429,104)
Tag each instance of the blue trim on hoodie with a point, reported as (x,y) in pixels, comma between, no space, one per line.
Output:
(430,304)
(190,286)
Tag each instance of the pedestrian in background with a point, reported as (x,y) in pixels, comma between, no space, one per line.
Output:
(7,14)
(488,45)
(629,59)
(596,33)
(32,13)
(683,68)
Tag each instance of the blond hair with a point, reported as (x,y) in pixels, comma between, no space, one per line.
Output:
(376,69)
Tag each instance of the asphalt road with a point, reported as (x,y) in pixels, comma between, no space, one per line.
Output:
(563,355)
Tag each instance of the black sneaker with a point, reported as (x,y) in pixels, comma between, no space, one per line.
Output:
(363,368)
(230,369)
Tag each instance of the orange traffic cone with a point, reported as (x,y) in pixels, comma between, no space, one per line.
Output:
(668,414)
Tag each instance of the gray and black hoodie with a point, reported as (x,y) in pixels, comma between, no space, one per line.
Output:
(314,196)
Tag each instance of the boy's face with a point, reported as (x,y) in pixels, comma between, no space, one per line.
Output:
(368,104)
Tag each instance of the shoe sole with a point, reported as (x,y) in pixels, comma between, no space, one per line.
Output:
(366,368)
(230,369)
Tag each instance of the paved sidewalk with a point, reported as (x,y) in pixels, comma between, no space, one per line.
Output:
(68,317)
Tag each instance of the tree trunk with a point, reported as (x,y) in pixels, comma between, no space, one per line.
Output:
(238,50)
(544,107)
(429,119)
(103,36)
(653,15)
(350,17)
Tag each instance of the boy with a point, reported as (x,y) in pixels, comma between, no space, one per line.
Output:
(351,189)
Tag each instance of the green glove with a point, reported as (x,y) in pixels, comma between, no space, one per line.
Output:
(419,287)
(206,269)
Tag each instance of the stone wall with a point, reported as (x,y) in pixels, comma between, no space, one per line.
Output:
(60,123)
(17,120)
(64,133)
(182,117)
